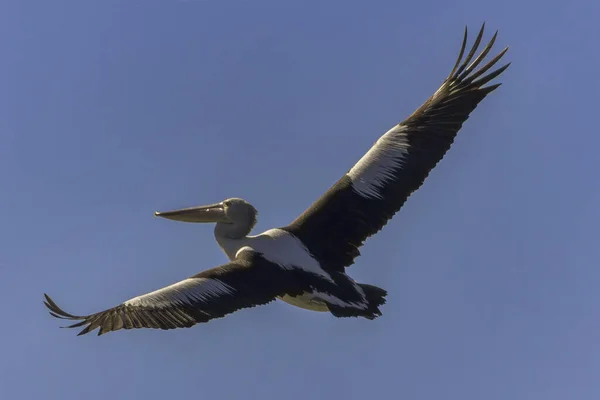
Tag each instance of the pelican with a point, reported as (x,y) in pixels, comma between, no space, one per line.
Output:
(304,263)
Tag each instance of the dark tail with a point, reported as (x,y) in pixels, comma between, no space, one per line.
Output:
(375,298)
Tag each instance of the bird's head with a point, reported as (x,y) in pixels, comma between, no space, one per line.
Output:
(229,211)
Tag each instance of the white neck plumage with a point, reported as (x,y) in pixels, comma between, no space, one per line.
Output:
(231,237)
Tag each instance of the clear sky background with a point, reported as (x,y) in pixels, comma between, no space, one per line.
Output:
(110,110)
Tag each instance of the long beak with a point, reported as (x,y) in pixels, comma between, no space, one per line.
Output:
(211,213)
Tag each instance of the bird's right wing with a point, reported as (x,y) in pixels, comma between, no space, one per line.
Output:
(246,282)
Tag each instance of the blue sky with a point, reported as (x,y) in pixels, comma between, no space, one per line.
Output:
(110,110)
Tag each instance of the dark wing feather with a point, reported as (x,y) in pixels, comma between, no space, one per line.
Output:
(246,282)
(364,199)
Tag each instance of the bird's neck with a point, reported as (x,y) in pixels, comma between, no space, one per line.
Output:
(231,238)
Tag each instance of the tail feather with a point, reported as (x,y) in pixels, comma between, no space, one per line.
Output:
(375,297)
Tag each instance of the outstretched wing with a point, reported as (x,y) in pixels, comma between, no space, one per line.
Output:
(369,194)
(247,282)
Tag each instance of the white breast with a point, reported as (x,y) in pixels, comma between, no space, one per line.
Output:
(286,250)
(317,301)
(306,301)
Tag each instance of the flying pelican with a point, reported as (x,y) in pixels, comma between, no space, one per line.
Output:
(304,263)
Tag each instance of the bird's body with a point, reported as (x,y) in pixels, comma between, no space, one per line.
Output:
(287,252)
(304,263)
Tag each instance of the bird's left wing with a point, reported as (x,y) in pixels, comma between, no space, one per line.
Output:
(246,282)
(372,191)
